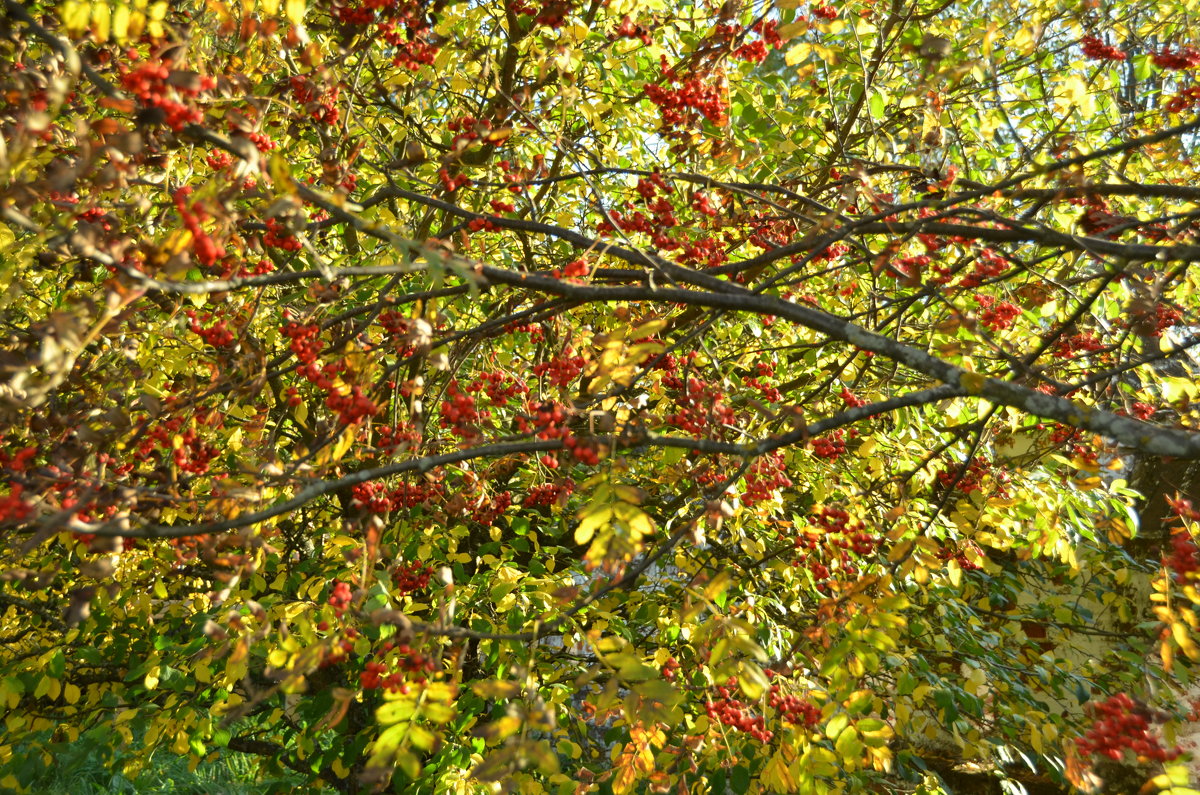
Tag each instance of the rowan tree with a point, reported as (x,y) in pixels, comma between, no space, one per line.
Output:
(602,396)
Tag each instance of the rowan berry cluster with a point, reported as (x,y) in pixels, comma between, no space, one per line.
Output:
(696,99)
(971,477)
(193,454)
(548,494)
(489,510)
(155,85)
(318,104)
(206,250)
(584,451)
(1186,58)
(831,446)
(704,252)
(831,252)
(499,387)
(13,506)
(411,577)
(217,335)
(339,597)
(1084,343)
(907,267)
(459,412)
(1143,411)
(839,533)
(1096,50)
(762,383)
(1185,99)
(764,477)
(350,404)
(793,709)
(574,271)
(305,344)
(734,713)
(670,669)
(562,369)
(452,183)
(278,236)
(628,30)
(960,556)
(1124,725)
(988,265)
(850,399)
(997,315)
(1184,560)
(262,142)
(701,407)
(825,12)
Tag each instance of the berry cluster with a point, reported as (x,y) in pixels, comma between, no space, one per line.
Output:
(839,531)
(207,251)
(488,510)
(989,265)
(628,30)
(155,84)
(412,577)
(997,315)
(765,475)
(319,105)
(403,25)
(193,454)
(1123,724)
(452,183)
(971,478)
(13,506)
(825,12)
(966,561)
(793,709)
(1184,560)
(1186,58)
(459,412)
(574,271)
(696,99)
(548,494)
(561,370)
(701,407)
(305,344)
(217,335)
(278,236)
(339,597)
(732,712)
(850,399)
(831,446)
(1083,343)
(1184,100)
(1096,50)
(375,674)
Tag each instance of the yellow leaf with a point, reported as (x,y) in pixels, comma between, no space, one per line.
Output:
(796,54)
(295,11)
(590,523)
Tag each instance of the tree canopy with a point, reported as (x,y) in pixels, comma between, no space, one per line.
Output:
(602,396)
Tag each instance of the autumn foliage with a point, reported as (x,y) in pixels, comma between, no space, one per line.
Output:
(606,396)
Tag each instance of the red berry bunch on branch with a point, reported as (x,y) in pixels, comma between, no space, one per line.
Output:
(1121,725)
(1096,50)
(685,103)
(793,709)
(734,713)
(1185,58)
(167,95)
